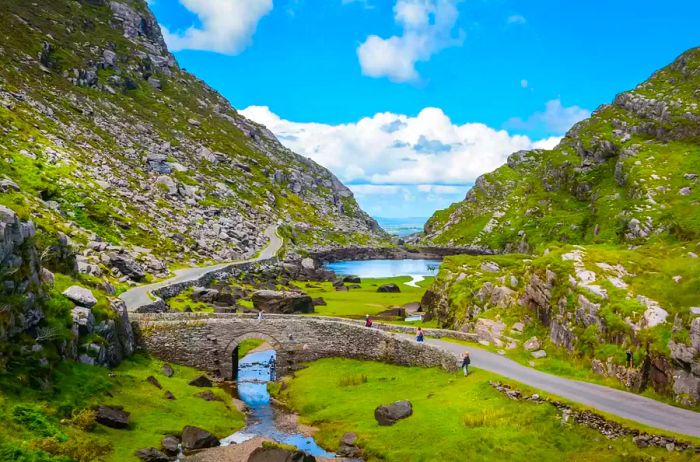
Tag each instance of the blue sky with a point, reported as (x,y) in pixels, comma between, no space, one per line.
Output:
(408,101)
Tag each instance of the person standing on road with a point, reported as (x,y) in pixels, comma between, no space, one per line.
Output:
(466,361)
(419,335)
(630,362)
(260,315)
(368,321)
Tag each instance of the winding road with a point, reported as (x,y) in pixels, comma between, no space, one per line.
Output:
(612,401)
(617,402)
(141,295)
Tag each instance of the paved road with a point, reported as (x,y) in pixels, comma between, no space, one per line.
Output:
(139,296)
(620,403)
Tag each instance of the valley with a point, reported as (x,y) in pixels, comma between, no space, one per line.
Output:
(176,283)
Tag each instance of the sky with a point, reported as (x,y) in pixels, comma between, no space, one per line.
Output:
(409,101)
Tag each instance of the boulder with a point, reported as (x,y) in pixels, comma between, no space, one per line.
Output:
(352,279)
(308,263)
(272,301)
(83,319)
(153,381)
(539,354)
(208,396)
(202,294)
(389,288)
(272,454)
(151,455)
(348,446)
(168,395)
(202,381)
(197,438)
(127,266)
(167,370)
(170,445)
(80,296)
(391,413)
(532,344)
(112,417)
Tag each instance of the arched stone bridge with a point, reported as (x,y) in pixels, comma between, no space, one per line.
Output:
(208,341)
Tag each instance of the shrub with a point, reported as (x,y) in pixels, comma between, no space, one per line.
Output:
(352,380)
(37,422)
(82,449)
(84,419)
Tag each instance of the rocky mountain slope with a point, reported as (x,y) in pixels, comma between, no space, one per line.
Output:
(604,235)
(116,166)
(106,139)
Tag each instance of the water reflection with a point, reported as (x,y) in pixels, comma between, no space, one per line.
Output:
(385,268)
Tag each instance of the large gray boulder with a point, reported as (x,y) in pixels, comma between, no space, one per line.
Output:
(197,438)
(80,296)
(83,318)
(272,454)
(272,301)
(391,413)
(127,266)
(112,417)
(389,288)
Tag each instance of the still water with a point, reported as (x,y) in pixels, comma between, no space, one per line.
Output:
(254,371)
(385,268)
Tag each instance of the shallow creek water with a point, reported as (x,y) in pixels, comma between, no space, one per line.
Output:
(255,370)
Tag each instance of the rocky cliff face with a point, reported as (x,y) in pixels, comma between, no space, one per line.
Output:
(115,164)
(106,139)
(610,224)
(627,174)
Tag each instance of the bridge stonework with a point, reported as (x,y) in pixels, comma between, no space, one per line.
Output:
(208,341)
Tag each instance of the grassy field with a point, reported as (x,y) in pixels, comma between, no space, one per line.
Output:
(57,426)
(455,418)
(366,300)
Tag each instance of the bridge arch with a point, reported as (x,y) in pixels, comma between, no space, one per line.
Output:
(231,351)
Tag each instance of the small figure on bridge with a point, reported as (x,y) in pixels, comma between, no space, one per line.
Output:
(368,321)
(419,335)
(466,361)
(260,315)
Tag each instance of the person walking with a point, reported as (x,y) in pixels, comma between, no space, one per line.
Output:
(260,315)
(419,335)
(466,361)
(629,358)
(368,321)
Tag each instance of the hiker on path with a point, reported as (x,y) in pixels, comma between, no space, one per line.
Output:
(419,335)
(466,361)
(629,358)
(368,321)
(260,315)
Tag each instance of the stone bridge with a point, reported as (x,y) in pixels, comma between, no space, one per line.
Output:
(209,341)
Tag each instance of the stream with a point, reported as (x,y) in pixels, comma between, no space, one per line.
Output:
(255,370)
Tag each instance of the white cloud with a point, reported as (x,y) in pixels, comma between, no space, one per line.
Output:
(524,83)
(516,19)
(227,26)
(427,28)
(556,118)
(427,150)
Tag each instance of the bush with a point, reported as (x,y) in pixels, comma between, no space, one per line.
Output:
(84,419)
(352,380)
(83,449)
(34,420)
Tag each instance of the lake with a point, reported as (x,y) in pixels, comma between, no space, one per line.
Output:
(385,268)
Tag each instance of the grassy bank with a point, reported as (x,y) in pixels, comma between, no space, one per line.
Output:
(454,418)
(57,424)
(366,299)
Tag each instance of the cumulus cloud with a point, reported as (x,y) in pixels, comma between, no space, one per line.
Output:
(227,26)
(427,27)
(556,118)
(389,149)
(516,19)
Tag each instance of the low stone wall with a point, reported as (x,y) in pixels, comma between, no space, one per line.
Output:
(429,332)
(167,291)
(394,253)
(207,341)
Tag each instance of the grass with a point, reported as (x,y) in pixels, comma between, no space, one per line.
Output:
(454,418)
(365,300)
(247,345)
(62,412)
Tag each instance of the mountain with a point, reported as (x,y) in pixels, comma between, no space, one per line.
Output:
(600,237)
(626,174)
(107,140)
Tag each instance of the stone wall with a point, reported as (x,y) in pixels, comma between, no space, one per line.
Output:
(167,291)
(207,341)
(393,253)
